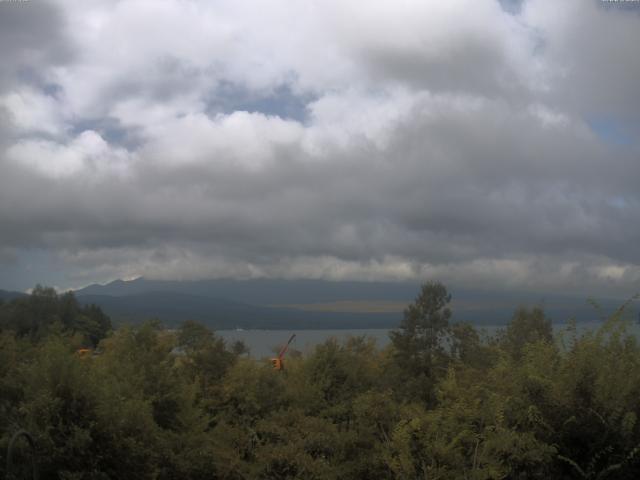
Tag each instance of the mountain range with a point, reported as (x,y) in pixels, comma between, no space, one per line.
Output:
(311,304)
(314,304)
(7,295)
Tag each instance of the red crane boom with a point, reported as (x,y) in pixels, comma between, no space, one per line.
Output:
(277,362)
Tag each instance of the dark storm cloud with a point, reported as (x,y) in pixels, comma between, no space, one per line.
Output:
(464,153)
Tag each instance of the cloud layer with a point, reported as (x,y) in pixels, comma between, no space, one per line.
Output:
(406,140)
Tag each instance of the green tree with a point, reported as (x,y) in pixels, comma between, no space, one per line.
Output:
(419,343)
(44,312)
(526,326)
(205,357)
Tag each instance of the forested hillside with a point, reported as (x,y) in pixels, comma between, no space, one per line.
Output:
(440,402)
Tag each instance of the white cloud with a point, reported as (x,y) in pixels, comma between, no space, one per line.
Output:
(241,139)
(86,153)
(33,112)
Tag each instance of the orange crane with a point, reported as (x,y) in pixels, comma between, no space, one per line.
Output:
(278,361)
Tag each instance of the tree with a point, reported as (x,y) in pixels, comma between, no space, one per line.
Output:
(44,311)
(420,341)
(206,357)
(526,326)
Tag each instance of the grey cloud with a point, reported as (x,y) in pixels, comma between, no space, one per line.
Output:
(497,200)
(489,52)
(473,65)
(32,36)
(512,6)
(590,58)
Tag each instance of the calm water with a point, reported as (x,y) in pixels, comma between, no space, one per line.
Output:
(262,343)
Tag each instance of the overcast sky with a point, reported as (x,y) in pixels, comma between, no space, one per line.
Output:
(481,143)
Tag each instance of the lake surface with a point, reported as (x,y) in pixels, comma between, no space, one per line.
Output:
(263,343)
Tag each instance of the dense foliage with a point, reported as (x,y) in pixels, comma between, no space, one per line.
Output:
(442,401)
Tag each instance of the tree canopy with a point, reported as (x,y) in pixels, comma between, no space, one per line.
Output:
(443,400)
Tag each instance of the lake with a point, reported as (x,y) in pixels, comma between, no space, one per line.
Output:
(262,343)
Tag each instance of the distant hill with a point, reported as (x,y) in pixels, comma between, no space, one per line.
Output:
(264,291)
(273,304)
(260,303)
(173,307)
(9,295)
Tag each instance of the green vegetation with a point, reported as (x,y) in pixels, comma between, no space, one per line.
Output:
(441,402)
